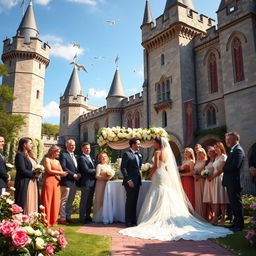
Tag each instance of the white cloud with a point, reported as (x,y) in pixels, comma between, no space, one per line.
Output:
(51,110)
(7,4)
(42,2)
(88,2)
(97,93)
(61,49)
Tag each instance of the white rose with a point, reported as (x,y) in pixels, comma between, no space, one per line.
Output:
(9,201)
(5,194)
(40,244)
(29,230)
(38,233)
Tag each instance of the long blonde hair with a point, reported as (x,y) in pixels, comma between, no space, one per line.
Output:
(201,150)
(192,155)
(52,150)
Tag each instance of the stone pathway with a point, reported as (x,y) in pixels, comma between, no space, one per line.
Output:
(124,245)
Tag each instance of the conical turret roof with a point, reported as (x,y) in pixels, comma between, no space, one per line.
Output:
(116,89)
(28,27)
(222,5)
(74,87)
(188,3)
(147,14)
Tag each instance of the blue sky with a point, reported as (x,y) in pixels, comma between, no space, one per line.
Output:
(63,21)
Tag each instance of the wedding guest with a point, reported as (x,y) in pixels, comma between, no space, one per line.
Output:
(199,181)
(197,147)
(219,192)
(86,167)
(231,178)
(50,194)
(68,184)
(187,176)
(26,180)
(208,189)
(252,163)
(4,177)
(104,172)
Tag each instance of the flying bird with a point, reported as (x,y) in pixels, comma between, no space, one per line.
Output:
(112,22)
(117,60)
(79,66)
(75,44)
(99,58)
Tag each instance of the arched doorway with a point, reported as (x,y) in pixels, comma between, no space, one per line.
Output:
(208,140)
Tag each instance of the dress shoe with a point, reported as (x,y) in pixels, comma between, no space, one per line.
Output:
(63,222)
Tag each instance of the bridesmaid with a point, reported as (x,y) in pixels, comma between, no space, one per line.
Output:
(51,185)
(187,176)
(207,198)
(102,177)
(26,180)
(201,159)
(219,193)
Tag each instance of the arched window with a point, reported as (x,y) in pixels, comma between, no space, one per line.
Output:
(211,116)
(37,94)
(85,134)
(164,119)
(162,60)
(158,93)
(129,120)
(213,73)
(96,129)
(238,60)
(168,90)
(163,92)
(137,120)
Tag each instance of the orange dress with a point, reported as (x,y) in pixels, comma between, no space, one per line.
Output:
(51,194)
(188,185)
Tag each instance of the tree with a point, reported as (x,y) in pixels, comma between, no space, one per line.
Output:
(9,124)
(50,129)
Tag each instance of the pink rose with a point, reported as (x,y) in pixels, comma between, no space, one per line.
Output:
(250,235)
(16,209)
(49,249)
(19,218)
(20,239)
(8,227)
(61,230)
(56,233)
(253,206)
(62,241)
(250,219)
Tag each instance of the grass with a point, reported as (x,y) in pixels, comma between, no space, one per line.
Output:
(80,244)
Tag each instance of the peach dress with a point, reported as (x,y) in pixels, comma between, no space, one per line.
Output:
(51,194)
(31,204)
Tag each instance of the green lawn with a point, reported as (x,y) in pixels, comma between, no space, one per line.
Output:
(85,245)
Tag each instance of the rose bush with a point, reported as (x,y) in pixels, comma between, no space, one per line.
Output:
(251,234)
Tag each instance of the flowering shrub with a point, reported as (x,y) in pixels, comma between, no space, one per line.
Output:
(26,235)
(251,234)
(116,134)
(248,200)
(76,202)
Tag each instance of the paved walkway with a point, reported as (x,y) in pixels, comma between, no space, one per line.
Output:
(124,245)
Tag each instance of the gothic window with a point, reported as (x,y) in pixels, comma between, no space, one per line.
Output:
(158,93)
(213,73)
(168,90)
(129,120)
(85,134)
(137,120)
(163,92)
(96,129)
(10,63)
(211,116)
(37,94)
(164,119)
(238,60)
(162,60)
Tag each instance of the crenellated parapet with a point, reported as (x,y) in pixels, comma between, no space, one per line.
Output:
(75,101)
(17,48)
(176,21)
(50,140)
(133,100)
(93,114)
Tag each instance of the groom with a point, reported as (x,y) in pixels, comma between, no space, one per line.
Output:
(130,168)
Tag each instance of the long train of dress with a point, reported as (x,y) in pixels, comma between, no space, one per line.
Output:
(165,216)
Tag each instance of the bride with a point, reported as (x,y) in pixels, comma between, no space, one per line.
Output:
(166,213)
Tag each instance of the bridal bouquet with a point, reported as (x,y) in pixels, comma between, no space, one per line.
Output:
(39,168)
(9,167)
(27,235)
(145,168)
(205,173)
(110,172)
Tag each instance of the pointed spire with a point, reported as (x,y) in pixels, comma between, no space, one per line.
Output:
(28,27)
(170,3)
(116,89)
(222,5)
(147,14)
(74,87)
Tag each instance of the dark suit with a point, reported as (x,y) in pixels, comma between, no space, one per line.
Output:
(130,169)
(252,160)
(231,179)
(3,174)
(68,185)
(87,182)
(23,176)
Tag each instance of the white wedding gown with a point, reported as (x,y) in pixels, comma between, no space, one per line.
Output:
(165,216)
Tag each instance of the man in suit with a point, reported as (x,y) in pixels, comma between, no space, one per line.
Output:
(252,163)
(130,168)
(4,177)
(86,167)
(68,184)
(231,178)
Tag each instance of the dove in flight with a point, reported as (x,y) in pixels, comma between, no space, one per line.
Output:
(99,58)
(112,22)
(79,66)
(75,44)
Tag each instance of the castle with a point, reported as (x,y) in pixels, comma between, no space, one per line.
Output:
(199,79)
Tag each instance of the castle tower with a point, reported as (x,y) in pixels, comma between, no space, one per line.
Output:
(26,59)
(114,100)
(72,105)
(169,75)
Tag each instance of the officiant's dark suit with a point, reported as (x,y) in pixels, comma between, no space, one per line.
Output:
(130,168)
(3,174)
(231,180)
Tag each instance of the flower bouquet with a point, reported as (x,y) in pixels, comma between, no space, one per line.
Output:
(39,168)
(26,235)
(116,168)
(145,168)
(251,234)
(205,173)
(110,173)
(9,167)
